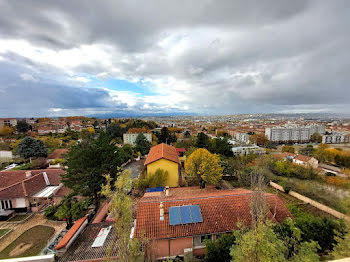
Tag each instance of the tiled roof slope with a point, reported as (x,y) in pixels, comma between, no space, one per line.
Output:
(162,151)
(302,158)
(71,232)
(15,184)
(58,153)
(221,212)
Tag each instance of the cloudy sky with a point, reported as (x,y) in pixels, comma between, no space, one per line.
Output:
(157,56)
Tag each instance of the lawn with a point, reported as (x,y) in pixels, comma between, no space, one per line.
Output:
(18,218)
(30,243)
(3,232)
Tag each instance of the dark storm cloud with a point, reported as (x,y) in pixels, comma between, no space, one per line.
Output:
(270,55)
(33,96)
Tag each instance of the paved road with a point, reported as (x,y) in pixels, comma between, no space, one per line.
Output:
(135,167)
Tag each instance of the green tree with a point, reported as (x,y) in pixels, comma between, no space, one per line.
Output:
(165,136)
(308,150)
(205,166)
(30,147)
(342,248)
(219,250)
(120,209)
(288,149)
(88,163)
(114,130)
(22,126)
(262,244)
(142,145)
(71,209)
(203,141)
(221,146)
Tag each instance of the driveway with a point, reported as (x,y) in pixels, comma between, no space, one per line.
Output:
(135,167)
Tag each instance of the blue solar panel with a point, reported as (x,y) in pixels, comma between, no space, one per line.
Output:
(185,215)
(196,214)
(174,216)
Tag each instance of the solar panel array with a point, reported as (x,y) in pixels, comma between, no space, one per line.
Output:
(180,215)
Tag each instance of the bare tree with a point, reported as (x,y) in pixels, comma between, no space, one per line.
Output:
(258,205)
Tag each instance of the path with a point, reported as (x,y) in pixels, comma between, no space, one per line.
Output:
(19,229)
(135,167)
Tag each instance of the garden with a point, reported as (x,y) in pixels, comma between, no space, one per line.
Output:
(30,243)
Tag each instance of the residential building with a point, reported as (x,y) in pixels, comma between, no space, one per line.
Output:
(181,154)
(164,157)
(335,138)
(8,122)
(242,137)
(6,154)
(23,190)
(300,159)
(88,242)
(305,161)
(246,150)
(293,133)
(179,220)
(130,138)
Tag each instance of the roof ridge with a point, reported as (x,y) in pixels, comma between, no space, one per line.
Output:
(207,197)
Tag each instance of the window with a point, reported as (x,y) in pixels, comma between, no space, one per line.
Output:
(205,237)
(6,204)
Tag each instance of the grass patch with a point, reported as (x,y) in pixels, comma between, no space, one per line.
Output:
(30,243)
(3,232)
(290,200)
(18,218)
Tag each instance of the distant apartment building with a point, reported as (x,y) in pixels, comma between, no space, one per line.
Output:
(8,122)
(246,150)
(293,133)
(335,138)
(130,138)
(242,137)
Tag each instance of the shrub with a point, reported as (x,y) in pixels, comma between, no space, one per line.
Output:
(158,179)
(320,229)
(57,161)
(219,250)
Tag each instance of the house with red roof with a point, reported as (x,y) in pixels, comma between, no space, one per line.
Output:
(179,220)
(164,157)
(23,190)
(306,161)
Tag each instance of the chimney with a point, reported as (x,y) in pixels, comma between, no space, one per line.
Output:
(28,174)
(161,211)
(167,190)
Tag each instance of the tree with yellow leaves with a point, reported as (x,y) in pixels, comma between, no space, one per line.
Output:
(205,166)
(6,131)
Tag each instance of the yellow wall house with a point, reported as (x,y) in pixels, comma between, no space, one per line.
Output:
(164,157)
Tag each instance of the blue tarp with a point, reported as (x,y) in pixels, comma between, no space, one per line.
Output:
(155,189)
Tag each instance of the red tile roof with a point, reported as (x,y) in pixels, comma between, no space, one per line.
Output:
(302,158)
(58,153)
(221,211)
(15,184)
(162,151)
(71,232)
(285,154)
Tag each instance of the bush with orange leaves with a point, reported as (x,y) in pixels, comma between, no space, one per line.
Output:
(338,181)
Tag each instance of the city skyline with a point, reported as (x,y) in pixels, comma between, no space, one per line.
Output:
(203,57)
